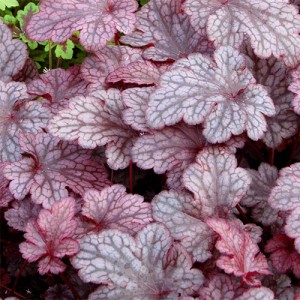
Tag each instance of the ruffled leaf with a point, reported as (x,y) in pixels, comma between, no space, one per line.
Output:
(97,121)
(137,268)
(97,21)
(18,115)
(13,54)
(182,216)
(272,26)
(163,25)
(98,66)
(295,88)
(292,229)
(286,194)
(58,86)
(284,257)
(241,255)
(51,237)
(263,180)
(216,181)
(113,208)
(258,293)
(5,194)
(50,168)
(222,93)
(21,213)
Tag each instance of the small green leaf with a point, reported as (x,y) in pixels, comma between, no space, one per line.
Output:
(9,20)
(143,2)
(65,50)
(8,3)
(24,15)
(31,44)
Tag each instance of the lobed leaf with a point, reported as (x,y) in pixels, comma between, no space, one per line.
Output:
(18,115)
(286,194)
(50,237)
(113,208)
(163,25)
(272,26)
(97,21)
(257,293)
(98,66)
(5,195)
(292,229)
(241,255)
(13,54)
(263,180)
(295,88)
(51,166)
(221,93)
(97,121)
(216,181)
(283,255)
(59,86)
(137,268)
(21,213)
(182,216)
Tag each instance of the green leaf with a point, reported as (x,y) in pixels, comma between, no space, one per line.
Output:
(143,2)
(24,15)
(31,44)
(65,50)
(9,20)
(8,3)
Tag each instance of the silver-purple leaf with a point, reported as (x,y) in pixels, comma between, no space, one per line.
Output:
(162,23)
(263,180)
(295,88)
(216,181)
(97,21)
(18,115)
(5,195)
(286,194)
(96,67)
(58,86)
(221,93)
(137,268)
(51,167)
(182,215)
(96,120)
(272,25)
(113,208)
(13,54)
(292,229)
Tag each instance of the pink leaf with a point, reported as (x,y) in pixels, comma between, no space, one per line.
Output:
(216,181)
(13,54)
(136,100)
(21,213)
(182,216)
(241,255)
(98,66)
(286,194)
(51,168)
(275,76)
(292,229)
(113,208)
(59,85)
(50,237)
(163,24)
(28,73)
(222,93)
(140,72)
(137,268)
(295,88)
(5,194)
(258,293)
(18,115)
(257,195)
(284,257)
(97,121)
(272,26)
(97,21)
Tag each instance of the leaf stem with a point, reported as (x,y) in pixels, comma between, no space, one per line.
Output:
(24,264)
(70,286)
(50,55)
(130,178)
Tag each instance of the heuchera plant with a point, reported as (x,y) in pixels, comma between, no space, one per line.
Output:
(166,165)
